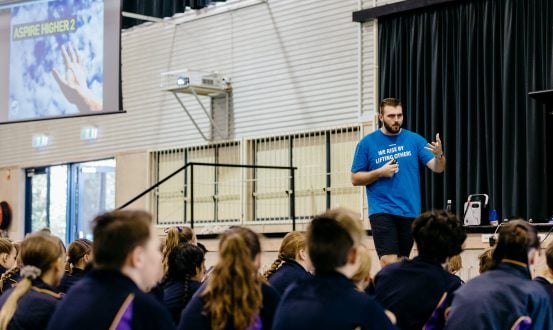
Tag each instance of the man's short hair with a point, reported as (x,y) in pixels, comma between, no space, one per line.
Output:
(330,238)
(116,234)
(438,235)
(390,101)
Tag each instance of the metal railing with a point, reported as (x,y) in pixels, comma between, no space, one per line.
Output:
(290,192)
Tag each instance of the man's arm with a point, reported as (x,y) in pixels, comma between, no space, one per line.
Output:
(366,178)
(436,164)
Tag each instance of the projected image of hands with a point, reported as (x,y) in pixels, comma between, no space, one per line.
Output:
(56,60)
(72,82)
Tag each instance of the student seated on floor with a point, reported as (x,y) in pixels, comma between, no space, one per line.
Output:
(546,279)
(485,260)
(454,264)
(79,256)
(183,279)
(412,289)
(176,236)
(31,303)
(362,277)
(292,263)
(8,256)
(127,262)
(505,296)
(235,295)
(330,300)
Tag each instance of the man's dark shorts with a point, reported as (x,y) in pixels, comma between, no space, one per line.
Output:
(392,234)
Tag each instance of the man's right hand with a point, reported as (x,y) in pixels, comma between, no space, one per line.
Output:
(389,169)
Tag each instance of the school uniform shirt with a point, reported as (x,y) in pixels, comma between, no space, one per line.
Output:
(328,301)
(35,308)
(194,317)
(70,278)
(412,289)
(157,293)
(547,286)
(107,298)
(498,298)
(173,293)
(289,272)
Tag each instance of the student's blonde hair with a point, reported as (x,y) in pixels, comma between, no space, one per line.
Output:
(350,220)
(176,236)
(331,237)
(454,264)
(39,253)
(485,260)
(290,248)
(364,270)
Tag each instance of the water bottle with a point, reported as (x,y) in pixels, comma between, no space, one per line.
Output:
(448,206)
(494,221)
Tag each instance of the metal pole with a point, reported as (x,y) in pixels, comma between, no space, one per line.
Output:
(293,200)
(192,196)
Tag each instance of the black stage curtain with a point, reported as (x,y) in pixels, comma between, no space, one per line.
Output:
(464,70)
(159,8)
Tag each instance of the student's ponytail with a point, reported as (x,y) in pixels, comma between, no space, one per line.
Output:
(233,293)
(39,253)
(28,273)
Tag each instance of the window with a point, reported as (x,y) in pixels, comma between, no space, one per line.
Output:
(66,198)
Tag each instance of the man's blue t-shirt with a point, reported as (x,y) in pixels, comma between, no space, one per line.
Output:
(400,194)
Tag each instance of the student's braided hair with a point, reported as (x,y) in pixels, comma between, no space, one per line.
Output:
(290,247)
(76,251)
(184,262)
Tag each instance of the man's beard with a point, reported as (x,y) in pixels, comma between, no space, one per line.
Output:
(391,129)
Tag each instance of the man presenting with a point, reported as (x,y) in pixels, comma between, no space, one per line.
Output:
(387,163)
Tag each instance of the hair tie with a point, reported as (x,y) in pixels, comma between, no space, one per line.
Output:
(30,272)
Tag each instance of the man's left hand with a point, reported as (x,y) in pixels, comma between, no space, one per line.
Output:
(436,147)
